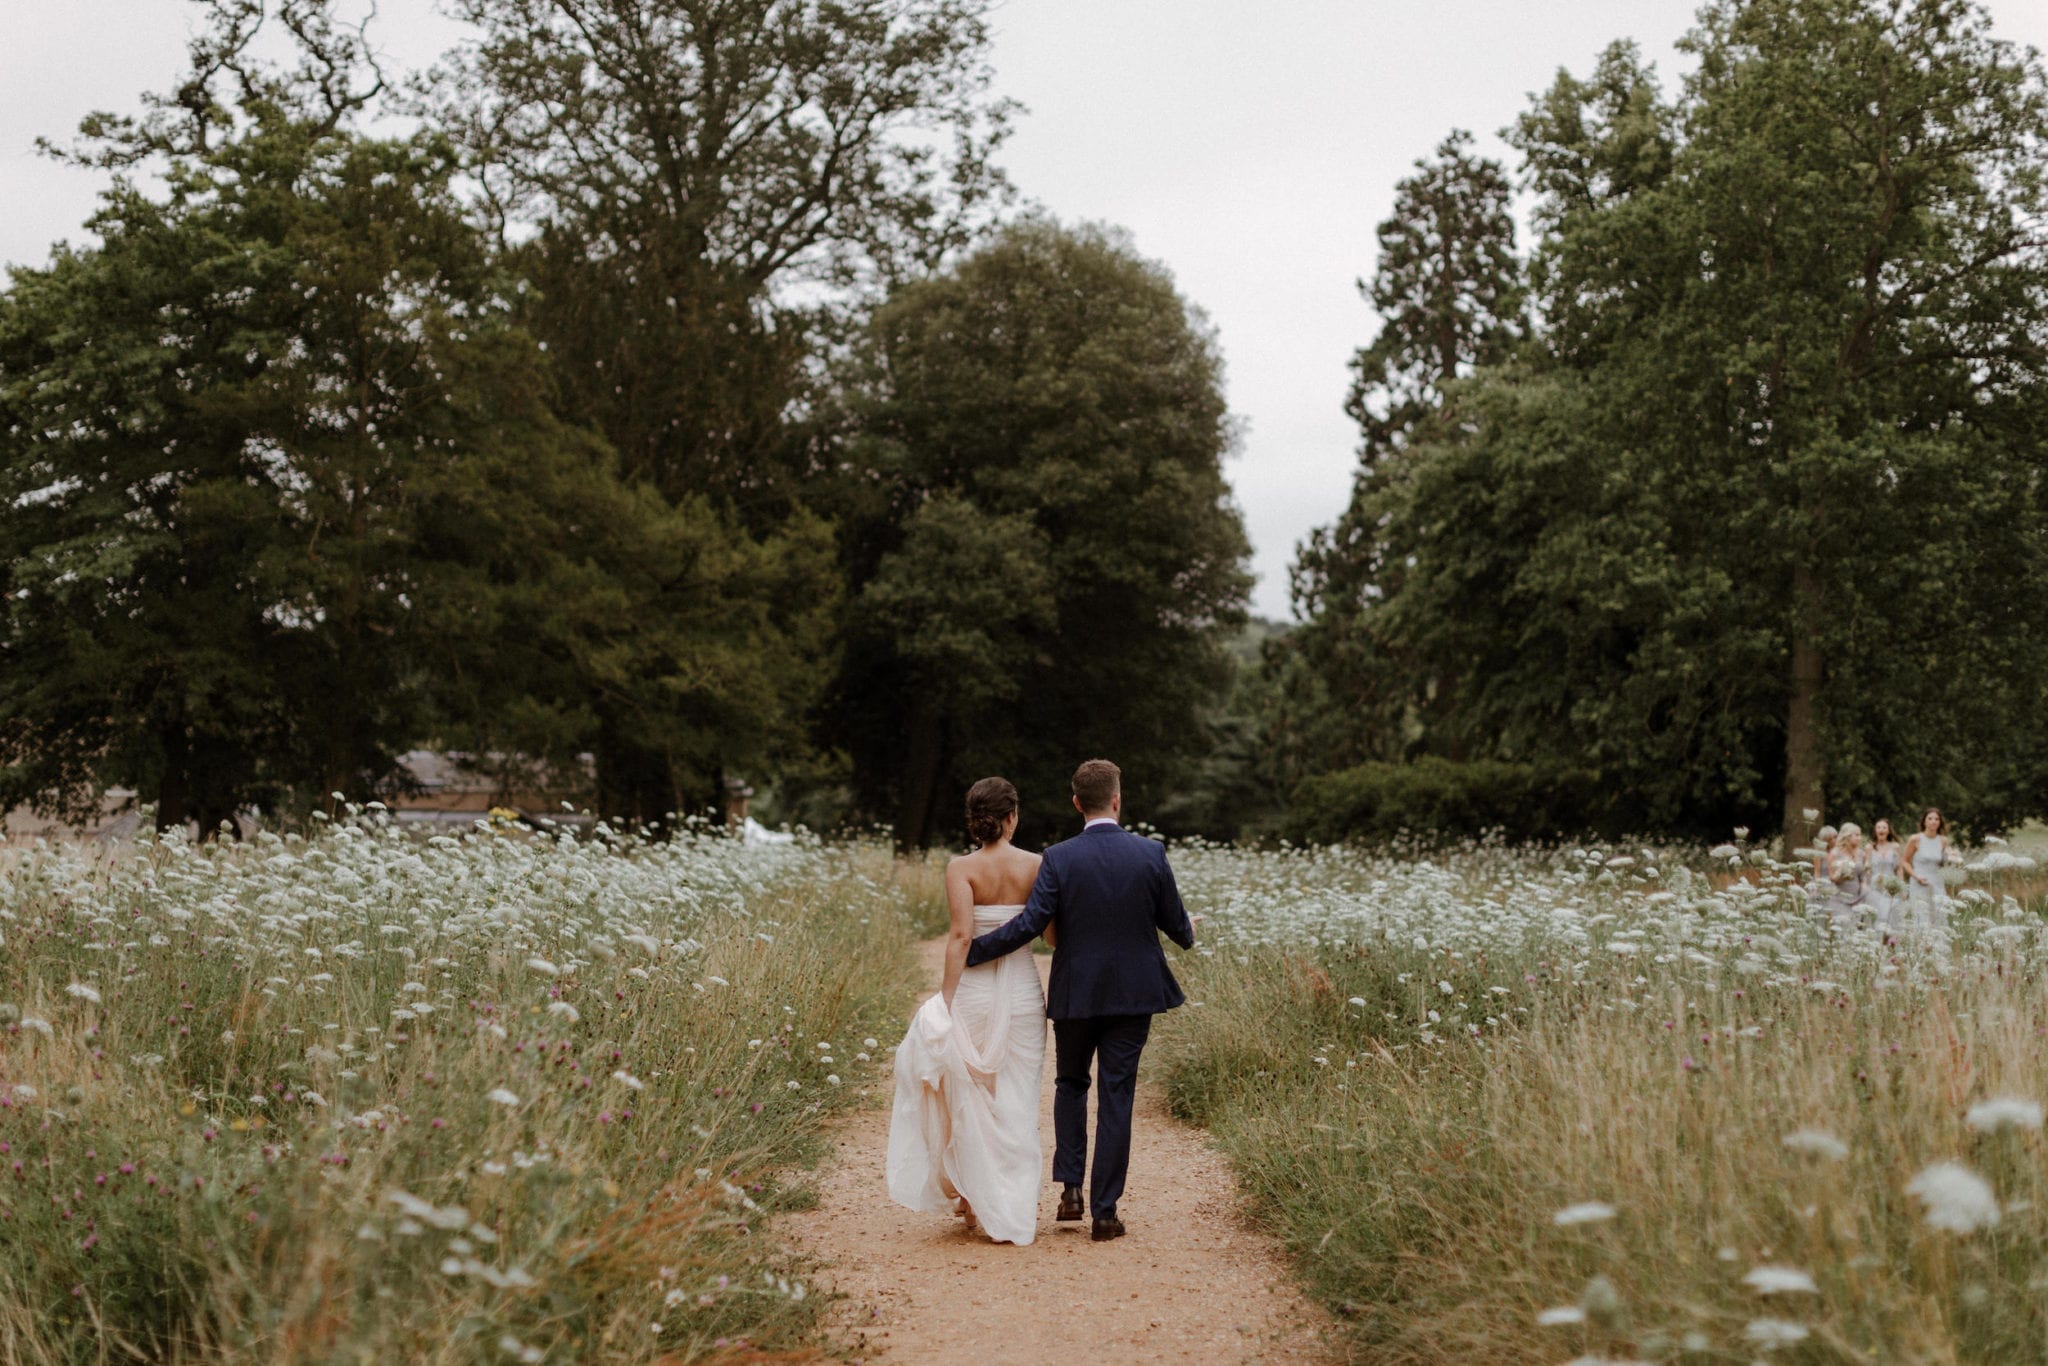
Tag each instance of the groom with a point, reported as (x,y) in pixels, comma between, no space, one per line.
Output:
(1106,894)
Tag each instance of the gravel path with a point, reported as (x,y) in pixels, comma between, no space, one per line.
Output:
(1191,1282)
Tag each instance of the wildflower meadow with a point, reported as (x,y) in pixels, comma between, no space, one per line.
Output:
(1627,1104)
(369,1095)
(518,1095)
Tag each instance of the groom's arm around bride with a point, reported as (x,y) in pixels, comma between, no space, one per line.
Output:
(1108,896)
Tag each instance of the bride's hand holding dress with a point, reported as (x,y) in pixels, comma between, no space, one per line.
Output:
(963,1137)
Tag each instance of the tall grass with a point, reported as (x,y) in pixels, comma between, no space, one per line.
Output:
(1418,1064)
(374,1097)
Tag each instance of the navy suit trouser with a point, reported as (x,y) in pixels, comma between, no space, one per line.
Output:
(1112,1043)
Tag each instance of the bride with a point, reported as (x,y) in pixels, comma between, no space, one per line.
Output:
(964,1134)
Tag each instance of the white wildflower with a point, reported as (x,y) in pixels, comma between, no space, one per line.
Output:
(1553,1318)
(82,992)
(1585,1212)
(2004,1112)
(1770,1333)
(500,1096)
(1819,1142)
(1957,1199)
(1780,1280)
(628,1080)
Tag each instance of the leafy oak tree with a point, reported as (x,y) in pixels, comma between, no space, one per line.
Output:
(1755,526)
(1048,566)
(701,191)
(290,496)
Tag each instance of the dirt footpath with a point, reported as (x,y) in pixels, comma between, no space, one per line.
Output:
(1191,1282)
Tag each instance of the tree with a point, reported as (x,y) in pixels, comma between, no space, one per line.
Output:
(691,166)
(213,415)
(1448,288)
(293,496)
(700,190)
(1775,454)
(1049,565)
(1826,321)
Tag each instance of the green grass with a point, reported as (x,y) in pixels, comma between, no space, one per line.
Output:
(243,1150)
(1415,1183)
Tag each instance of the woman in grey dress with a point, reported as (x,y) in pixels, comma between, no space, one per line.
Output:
(1845,872)
(1818,887)
(1924,855)
(1881,866)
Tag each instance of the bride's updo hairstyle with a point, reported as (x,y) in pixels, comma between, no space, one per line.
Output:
(990,802)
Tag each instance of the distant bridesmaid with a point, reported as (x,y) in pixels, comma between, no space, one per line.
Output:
(1846,876)
(1883,866)
(1924,855)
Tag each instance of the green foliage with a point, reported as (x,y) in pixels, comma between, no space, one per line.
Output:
(716,187)
(1754,522)
(248,436)
(1449,288)
(295,494)
(687,163)
(1434,796)
(1047,565)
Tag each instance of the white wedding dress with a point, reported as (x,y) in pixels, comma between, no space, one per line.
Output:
(965,1124)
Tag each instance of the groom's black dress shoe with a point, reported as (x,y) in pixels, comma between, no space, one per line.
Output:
(1105,1229)
(1071,1208)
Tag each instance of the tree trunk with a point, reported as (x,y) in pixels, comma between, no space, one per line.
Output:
(635,785)
(174,788)
(212,817)
(1805,777)
(921,771)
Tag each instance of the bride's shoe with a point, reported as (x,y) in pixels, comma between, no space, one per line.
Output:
(966,1213)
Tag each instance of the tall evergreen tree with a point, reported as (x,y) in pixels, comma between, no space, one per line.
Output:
(1448,288)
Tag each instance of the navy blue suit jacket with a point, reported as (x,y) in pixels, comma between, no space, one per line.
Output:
(1108,895)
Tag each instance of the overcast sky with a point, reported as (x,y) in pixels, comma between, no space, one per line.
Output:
(1249,147)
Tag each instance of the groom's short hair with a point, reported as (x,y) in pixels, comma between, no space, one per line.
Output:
(1096,784)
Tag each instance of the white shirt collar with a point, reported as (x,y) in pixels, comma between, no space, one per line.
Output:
(1099,820)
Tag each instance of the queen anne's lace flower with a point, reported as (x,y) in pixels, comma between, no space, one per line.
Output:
(1819,1142)
(1585,1212)
(1957,1199)
(1780,1280)
(2004,1112)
